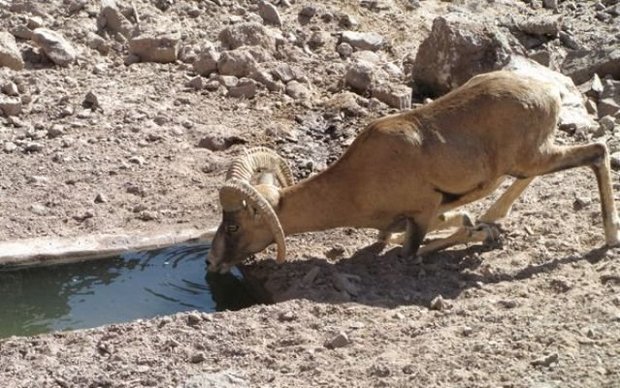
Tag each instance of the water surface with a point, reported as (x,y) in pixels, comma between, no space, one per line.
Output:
(134,285)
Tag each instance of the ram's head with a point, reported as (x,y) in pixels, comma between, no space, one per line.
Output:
(248,198)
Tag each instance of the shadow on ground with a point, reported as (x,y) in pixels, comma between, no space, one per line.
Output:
(386,279)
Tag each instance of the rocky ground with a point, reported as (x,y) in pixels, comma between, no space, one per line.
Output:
(125,116)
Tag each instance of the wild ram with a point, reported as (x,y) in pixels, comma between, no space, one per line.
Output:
(406,172)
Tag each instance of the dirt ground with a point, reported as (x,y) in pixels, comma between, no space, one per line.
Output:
(539,308)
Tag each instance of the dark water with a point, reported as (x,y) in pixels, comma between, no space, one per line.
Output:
(121,289)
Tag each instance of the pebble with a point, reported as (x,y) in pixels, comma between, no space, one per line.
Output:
(136,160)
(193,319)
(438,303)
(9,147)
(546,360)
(198,358)
(287,316)
(33,147)
(338,341)
(363,40)
(101,198)
(38,209)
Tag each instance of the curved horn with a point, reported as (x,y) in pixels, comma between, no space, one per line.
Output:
(261,159)
(232,196)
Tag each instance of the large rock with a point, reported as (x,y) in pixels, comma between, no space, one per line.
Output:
(581,65)
(363,40)
(206,63)
(247,34)
(150,48)
(111,18)
(455,51)
(360,76)
(573,112)
(55,46)
(9,53)
(242,61)
(269,13)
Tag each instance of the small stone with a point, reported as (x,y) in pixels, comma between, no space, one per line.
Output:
(247,34)
(245,88)
(344,49)
(147,216)
(33,147)
(10,55)
(55,46)
(360,76)
(340,340)
(287,316)
(348,21)
(136,160)
(467,331)
(9,147)
(55,131)
(396,96)
(607,123)
(10,89)
(112,18)
(297,90)
(91,100)
(546,360)
(581,202)
(193,319)
(269,13)
(308,11)
(569,41)
(438,303)
(101,198)
(222,379)
(150,48)
(10,106)
(363,40)
(198,358)
(83,217)
(38,209)
(196,83)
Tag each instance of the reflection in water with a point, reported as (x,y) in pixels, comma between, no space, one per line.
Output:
(135,285)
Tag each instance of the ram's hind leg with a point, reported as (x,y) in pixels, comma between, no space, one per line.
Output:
(483,231)
(596,156)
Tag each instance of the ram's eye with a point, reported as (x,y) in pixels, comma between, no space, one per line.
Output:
(232,228)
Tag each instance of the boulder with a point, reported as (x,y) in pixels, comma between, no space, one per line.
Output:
(111,18)
(206,63)
(455,51)
(360,76)
(239,63)
(55,46)
(247,34)
(9,53)
(151,48)
(581,65)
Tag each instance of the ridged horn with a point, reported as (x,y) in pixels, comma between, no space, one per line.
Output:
(260,159)
(232,195)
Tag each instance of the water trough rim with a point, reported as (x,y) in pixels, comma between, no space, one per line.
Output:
(43,251)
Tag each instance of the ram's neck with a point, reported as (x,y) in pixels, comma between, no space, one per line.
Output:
(319,203)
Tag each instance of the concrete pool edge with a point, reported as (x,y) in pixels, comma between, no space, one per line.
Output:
(59,250)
